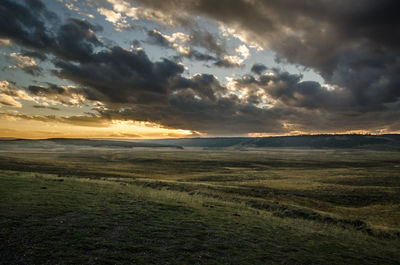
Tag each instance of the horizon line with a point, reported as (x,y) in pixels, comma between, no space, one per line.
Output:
(198,137)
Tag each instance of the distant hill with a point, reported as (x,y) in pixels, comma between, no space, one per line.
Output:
(388,141)
(85,142)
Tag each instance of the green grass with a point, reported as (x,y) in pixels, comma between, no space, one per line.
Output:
(356,184)
(48,221)
(164,206)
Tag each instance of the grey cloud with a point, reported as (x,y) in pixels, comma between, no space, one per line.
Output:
(210,42)
(205,86)
(258,68)
(24,24)
(156,38)
(33,70)
(348,43)
(64,95)
(51,90)
(351,44)
(291,91)
(203,39)
(34,54)
(200,56)
(89,120)
(226,63)
(76,40)
(27,25)
(122,76)
(45,107)
(309,107)
(24,63)
(135,88)
(225,116)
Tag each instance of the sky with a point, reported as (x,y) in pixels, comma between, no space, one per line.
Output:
(198,68)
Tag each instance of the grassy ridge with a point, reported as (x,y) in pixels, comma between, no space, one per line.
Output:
(49,143)
(388,141)
(48,221)
(350,184)
(375,142)
(221,206)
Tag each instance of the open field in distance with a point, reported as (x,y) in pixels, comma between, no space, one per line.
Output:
(168,205)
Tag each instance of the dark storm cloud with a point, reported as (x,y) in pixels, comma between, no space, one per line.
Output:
(199,56)
(154,37)
(200,39)
(134,88)
(122,76)
(354,48)
(342,40)
(76,40)
(225,116)
(23,62)
(34,54)
(226,63)
(210,42)
(24,24)
(32,70)
(309,107)
(32,26)
(205,86)
(258,68)
(53,90)
(64,95)
(328,122)
(289,90)
(353,45)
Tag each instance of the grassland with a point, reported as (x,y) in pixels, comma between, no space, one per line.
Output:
(97,205)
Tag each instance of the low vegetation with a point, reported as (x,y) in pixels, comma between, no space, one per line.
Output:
(80,204)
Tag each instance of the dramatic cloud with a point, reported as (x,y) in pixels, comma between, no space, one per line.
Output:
(353,46)
(228,62)
(208,41)
(59,94)
(34,54)
(134,88)
(288,90)
(122,76)
(258,68)
(186,46)
(26,25)
(157,38)
(45,107)
(23,62)
(89,121)
(123,10)
(9,95)
(76,40)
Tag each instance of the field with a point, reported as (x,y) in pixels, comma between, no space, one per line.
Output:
(69,204)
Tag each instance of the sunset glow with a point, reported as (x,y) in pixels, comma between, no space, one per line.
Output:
(162,69)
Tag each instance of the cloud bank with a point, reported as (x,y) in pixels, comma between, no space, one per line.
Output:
(353,46)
